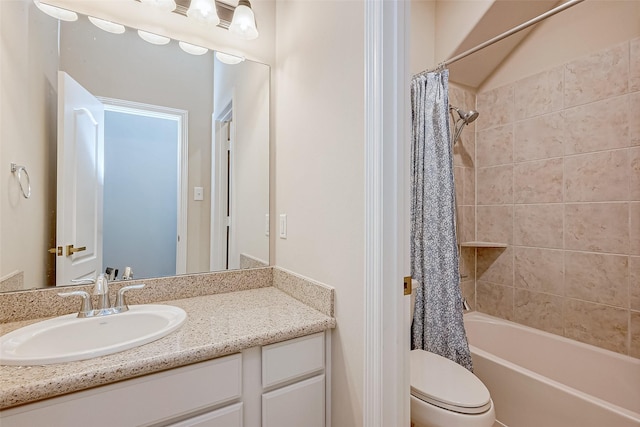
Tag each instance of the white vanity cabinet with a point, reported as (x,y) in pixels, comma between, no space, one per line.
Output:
(279,385)
(293,377)
(149,400)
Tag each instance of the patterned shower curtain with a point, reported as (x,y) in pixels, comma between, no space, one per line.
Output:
(437,322)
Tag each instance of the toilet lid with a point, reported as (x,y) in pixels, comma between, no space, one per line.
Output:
(444,383)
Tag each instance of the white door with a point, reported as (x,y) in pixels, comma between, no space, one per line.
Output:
(80,182)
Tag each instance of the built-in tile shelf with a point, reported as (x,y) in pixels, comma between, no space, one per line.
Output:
(483,245)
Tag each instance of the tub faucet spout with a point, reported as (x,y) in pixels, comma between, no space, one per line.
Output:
(465,305)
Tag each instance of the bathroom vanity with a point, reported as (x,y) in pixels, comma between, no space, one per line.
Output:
(256,357)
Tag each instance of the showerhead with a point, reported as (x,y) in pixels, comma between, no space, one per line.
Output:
(466,116)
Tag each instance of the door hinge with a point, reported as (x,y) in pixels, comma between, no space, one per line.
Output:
(407,285)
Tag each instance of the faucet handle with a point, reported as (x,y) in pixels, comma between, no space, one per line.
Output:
(86,308)
(121,303)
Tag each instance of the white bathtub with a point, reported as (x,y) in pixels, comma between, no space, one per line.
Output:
(537,379)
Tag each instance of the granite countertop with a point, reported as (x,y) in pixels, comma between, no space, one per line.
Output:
(216,325)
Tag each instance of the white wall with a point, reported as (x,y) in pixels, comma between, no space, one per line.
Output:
(588,27)
(248,83)
(319,170)
(422,33)
(27,136)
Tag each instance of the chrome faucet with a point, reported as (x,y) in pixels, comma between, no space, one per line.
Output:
(104,308)
(101,288)
(465,305)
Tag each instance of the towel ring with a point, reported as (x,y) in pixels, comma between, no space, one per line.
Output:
(19,170)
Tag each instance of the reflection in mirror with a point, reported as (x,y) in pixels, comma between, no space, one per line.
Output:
(168,170)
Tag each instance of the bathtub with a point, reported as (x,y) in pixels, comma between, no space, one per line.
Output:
(537,379)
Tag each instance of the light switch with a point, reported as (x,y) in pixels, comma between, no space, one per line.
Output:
(198,193)
(283,226)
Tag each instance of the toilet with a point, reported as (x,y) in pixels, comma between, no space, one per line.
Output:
(445,394)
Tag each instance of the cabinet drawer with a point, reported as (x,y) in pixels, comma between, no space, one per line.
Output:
(293,359)
(300,404)
(229,416)
(140,401)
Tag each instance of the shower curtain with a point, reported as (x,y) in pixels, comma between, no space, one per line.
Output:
(437,322)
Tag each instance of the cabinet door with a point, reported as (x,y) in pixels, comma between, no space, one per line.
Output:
(229,416)
(300,404)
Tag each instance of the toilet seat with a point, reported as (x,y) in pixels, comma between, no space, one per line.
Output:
(443,383)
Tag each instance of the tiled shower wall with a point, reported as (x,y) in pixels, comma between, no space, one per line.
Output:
(558,180)
(464,154)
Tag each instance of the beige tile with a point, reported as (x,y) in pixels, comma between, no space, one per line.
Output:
(495,146)
(468,289)
(539,270)
(469,194)
(468,264)
(599,126)
(495,265)
(596,324)
(634,322)
(458,181)
(467,224)
(538,225)
(539,94)
(495,224)
(634,228)
(538,182)
(634,174)
(539,138)
(495,185)
(496,107)
(597,227)
(496,300)
(634,65)
(597,76)
(597,278)
(540,311)
(634,118)
(597,177)
(634,282)
(464,150)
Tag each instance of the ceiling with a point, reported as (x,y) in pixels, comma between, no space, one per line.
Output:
(501,16)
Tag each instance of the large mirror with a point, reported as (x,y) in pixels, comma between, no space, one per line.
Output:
(141,159)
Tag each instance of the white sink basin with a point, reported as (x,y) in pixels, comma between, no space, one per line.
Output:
(68,338)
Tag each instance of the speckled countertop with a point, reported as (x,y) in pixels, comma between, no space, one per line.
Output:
(216,325)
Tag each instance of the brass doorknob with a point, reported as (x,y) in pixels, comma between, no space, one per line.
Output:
(57,250)
(71,250)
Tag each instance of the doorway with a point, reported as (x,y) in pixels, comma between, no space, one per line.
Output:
(144,175)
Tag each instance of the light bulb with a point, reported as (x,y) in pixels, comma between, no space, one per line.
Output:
(204,11)
(243,23)
(153,38)
(108,26)
(56,12)
(229,59)
(192,48)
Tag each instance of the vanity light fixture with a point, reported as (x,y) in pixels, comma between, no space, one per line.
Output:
(166,5)
(192,48)
(153,38)
(243,23)
(56,12)
(108,26)
(229,59)
(204,11)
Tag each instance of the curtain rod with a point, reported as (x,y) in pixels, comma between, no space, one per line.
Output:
(504,35)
